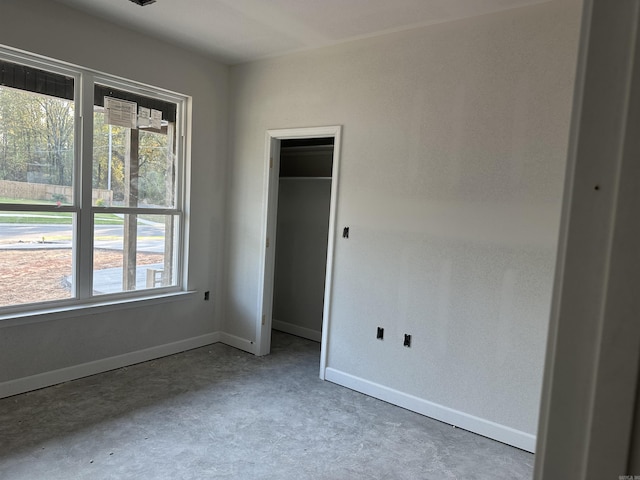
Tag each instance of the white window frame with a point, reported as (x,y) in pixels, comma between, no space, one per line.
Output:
(82,208)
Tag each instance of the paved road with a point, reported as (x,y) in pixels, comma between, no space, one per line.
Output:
(20,236)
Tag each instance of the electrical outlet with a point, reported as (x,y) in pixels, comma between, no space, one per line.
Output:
(380,334)
(206,295)
(407,340)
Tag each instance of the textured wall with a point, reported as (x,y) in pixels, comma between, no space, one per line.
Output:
(48,28)
(452,166)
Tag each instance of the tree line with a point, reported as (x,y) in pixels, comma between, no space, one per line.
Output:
(37,146)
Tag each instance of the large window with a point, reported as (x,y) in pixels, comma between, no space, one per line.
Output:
(91,197)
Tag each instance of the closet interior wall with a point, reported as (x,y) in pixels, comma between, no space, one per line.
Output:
(304,197)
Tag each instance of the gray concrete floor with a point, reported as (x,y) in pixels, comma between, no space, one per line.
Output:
(217,412)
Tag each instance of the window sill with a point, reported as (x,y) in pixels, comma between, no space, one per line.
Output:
(93,308)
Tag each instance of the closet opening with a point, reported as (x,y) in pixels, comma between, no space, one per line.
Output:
(301,174)
(302,233)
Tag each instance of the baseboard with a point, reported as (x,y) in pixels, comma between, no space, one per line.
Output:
(297,330)
(47,379)
(238,342)
(486,428)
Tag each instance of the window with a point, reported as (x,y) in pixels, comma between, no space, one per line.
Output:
(87,208)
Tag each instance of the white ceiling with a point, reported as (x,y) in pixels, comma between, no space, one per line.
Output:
(237,31)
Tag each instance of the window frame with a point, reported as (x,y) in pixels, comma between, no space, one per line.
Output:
(82,208)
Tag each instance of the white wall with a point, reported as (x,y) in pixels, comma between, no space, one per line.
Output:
(301,255)
(452,164)
(63,341)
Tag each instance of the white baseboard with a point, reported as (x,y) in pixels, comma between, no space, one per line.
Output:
(54,377)
(297,330)
(238,342)
(41,380)
(463,420)
(486,428)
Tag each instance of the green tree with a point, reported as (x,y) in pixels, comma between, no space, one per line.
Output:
(101,155)
(154,168)
(36,137)
(58,134)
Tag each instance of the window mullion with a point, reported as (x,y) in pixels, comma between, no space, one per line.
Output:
(84,226)
(47,186)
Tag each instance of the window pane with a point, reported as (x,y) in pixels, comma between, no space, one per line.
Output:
(36,261)
(134,252)
(134,167)
(36,147)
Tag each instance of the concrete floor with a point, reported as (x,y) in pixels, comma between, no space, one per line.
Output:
(216,412)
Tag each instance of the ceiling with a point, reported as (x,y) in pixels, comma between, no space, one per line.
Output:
(237,31)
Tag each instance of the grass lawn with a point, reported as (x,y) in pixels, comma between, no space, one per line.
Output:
(26,201)
(61,218)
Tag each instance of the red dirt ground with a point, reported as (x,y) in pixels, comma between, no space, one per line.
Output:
(28,276)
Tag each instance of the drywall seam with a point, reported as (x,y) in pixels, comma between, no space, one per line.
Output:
(54,377)
(483,427)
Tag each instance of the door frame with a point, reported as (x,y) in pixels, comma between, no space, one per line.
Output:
(271,176)
(590,388)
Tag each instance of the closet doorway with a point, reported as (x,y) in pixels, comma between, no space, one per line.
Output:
(299,228)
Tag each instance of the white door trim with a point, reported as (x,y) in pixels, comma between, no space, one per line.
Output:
(269,217)
(590,385)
